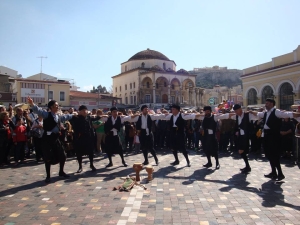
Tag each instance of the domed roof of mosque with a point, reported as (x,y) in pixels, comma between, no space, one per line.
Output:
(182,71)
(149,54)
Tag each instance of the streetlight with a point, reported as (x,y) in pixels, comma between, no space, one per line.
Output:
(98,97)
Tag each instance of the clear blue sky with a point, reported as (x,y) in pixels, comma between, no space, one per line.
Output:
(88,40)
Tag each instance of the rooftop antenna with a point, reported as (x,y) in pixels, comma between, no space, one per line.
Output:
(42,57)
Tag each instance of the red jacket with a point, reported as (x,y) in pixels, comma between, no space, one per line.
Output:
(20,134)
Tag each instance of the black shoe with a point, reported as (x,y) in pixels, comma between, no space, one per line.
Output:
(156,161)
(145,163)
(63,174)
(280,177)
(188,163)
(246,170)
(124,164)
(109,165)
(271,176)
(93,168)
(175,163)
(218,166)
(207,165)
(243,169)
(79,170)
(47,180)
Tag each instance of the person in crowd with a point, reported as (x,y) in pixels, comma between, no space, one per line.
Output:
(209,140)
(83,136)
(19,114)
(271,136)
(129,135)
(99,127)
(197,133)
(287,133)
(144,124)
(29,143)
(6,127)
(2,109)
(136,142)
(37,132)
(19,139)
(71,110)
(226,130)
(189,132)
(113,143)
(53,151)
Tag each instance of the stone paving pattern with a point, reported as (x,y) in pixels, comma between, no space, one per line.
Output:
(177,195)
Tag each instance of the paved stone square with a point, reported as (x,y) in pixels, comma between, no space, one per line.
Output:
(177,195)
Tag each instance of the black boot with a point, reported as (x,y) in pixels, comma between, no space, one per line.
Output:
(176,162)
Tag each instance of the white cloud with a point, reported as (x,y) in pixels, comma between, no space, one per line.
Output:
(58,74)
(87,88)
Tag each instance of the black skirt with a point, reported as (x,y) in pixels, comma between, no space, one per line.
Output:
(210,144)
(113,144)
(243,143)
(84,145)
(53,150)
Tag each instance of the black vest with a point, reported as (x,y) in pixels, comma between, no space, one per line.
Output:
(245,124)
(108,126)
(139,123)
(180,123)
(49,123)
(274,123)
(209,123)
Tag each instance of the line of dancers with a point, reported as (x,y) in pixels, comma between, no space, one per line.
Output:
(82,126)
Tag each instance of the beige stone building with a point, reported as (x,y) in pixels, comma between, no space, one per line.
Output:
(278,79)
(151,77)
(42,88)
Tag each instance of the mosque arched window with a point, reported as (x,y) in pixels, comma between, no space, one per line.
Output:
(143,64)
(148,85)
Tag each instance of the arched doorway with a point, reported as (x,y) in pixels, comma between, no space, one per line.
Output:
(252,97)
(267,92)
(286,96)
(164,98)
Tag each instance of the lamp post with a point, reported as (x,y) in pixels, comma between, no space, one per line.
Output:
(98,97)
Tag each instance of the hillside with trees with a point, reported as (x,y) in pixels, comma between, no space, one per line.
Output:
(208,78)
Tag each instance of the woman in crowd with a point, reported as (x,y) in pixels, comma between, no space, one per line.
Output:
(6,126)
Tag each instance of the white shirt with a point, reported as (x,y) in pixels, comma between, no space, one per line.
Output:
(240,118)
(123,119)
(144,123)
(175,117)
(278,113)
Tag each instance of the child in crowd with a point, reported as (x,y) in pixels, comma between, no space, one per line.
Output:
(19,139)
(136,143)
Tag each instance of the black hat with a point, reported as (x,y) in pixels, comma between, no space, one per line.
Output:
(175,106)
(82,107)
(113,108)
(271,100)
(143,107)
(207,108)
(237,106)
